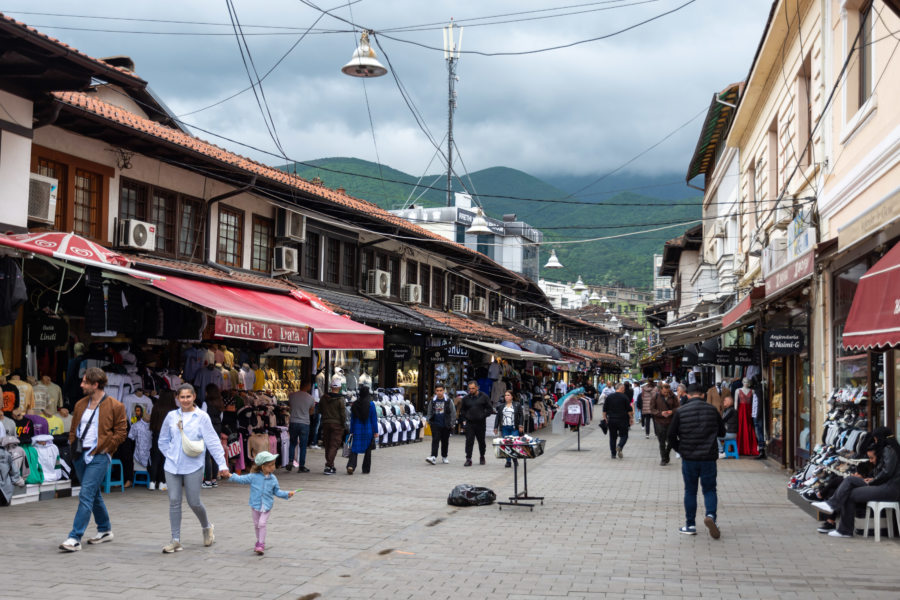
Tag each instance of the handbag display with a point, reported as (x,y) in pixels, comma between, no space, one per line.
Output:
(192,448)
(348,443)
(78,446)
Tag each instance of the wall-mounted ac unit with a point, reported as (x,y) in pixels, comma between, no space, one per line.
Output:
(286,260)
(534,323)
(411,293)
(290,224)
(497,316)
(783,217)
(479,305)
(379,283)
(460,303)
(774,255)
(582,344)
(42,198)
(137,235)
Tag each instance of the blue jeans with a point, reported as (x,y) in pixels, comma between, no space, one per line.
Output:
(758,425)
(506,430)
(298,432)
(728,436)
(90,499)
(705,472)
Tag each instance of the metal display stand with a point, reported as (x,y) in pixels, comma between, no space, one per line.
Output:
(517,498)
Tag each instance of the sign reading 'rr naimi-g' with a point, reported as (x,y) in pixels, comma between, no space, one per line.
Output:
(245,329)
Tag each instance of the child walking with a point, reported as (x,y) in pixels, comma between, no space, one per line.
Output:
(263,489)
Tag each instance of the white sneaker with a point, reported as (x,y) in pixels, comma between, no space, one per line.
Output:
(823,506)
(163,487)
(445,460)
(70,545)
(431,460)
(721,455)
(836,533)
(151,486)
(101,537)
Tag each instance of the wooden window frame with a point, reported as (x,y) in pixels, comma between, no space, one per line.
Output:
(167,223)
(317,236)
(332,261)
(348,264)
(182,232)
(238,239)
(261,255)
(66,207)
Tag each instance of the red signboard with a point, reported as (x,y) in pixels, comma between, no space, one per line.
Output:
(257,331)
(791,273)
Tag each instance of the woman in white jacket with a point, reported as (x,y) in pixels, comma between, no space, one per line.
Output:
(184,471)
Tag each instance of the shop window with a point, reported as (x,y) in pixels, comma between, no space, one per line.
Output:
(162,214)
(394,268)
(311,256)
(333,261)
(348,264)
(87,204)
(460,233)
(263,245)
(230,238)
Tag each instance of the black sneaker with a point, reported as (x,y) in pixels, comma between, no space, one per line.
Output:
(330,470)
(826,527)
(302,470)
(288,468)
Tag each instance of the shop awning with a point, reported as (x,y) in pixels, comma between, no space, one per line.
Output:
(696,331)
(505,352)
(874,320)
(743,306)
(296,318)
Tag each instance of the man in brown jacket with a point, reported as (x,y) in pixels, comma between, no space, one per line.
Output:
(662,408)
(100,424)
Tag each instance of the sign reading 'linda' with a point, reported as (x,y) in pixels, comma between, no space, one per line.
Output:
(244,329)
(782,342)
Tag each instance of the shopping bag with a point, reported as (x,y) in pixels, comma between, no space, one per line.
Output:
(348,442)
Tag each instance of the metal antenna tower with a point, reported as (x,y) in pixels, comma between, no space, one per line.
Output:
(451,55)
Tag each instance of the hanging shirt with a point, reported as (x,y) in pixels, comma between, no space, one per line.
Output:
(143,439)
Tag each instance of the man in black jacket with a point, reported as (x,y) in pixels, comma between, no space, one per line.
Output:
(619,415)
(475,409)
(693,434)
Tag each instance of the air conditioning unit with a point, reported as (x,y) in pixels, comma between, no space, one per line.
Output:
(379,283)
(460,303)
(411,293)
(286,260)
(137,235)
(534,323)
(479,305)
(42,198)
(783,217)
(497,316)
(290,224)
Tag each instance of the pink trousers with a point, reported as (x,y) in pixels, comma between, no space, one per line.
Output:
(260,520)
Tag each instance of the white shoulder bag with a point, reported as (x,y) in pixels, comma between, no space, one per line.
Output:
(192,448)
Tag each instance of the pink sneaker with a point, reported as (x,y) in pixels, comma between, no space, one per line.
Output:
(260,549)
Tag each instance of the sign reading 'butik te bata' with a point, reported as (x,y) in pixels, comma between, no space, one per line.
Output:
(257,331)
(783,342)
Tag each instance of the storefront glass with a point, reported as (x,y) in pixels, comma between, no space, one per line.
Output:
(407,372)
(358,367)
(776,414)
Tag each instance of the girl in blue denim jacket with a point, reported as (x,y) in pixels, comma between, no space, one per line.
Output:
(263,489)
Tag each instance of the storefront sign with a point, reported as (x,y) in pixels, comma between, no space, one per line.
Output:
(48,331)
(400,353)
(743,356)
(783,342)
(882,213)
(791,273)
(244,329)
(445,353)
(289,351)
(723,358)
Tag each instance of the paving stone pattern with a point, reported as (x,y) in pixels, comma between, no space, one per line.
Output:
(607,529)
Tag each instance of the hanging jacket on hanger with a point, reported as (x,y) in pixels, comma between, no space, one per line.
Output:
(12,290)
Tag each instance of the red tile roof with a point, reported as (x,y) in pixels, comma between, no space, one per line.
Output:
(68,50)
(98,108)
(467,326)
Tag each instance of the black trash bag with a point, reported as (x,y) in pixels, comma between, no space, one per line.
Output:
(470,495)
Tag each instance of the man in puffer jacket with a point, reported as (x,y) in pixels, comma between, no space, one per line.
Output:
(694,433)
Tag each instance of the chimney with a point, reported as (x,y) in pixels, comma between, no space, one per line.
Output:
(122,62)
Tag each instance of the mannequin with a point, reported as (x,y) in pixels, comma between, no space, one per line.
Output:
(248,377)
(47,395)
(748,402)
(365,379)
(260,378)
(26,392)
(227,357)
(10,398)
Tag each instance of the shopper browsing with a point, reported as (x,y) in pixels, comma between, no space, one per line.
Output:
(441,418)
(186,433)
(263,489)
(510,419)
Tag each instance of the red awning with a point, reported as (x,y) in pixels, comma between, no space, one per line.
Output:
(743,307)
(874,320)
(273,317)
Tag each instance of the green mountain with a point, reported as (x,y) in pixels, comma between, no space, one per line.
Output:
(624,260)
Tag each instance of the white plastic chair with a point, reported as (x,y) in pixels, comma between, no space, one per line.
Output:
(876,507)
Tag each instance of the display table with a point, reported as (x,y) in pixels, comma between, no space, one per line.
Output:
(519,448)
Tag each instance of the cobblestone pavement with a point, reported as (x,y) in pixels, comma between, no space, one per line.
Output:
(607,529)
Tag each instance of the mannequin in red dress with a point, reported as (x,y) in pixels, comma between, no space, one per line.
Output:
(747,443)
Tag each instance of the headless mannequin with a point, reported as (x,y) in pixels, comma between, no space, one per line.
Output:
(26,393)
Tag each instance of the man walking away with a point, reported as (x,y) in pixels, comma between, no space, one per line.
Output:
(302,406)
(475,409)
(101,425)
(693,433)
(441,418)
(619,415)
(334,417)
(662,408)
(649,391)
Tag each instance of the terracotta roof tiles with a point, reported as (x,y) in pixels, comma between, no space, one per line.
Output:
(467,326)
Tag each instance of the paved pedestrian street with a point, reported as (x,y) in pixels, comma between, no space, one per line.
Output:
(607,529)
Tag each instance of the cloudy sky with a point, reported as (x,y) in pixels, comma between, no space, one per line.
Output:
(581,110)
